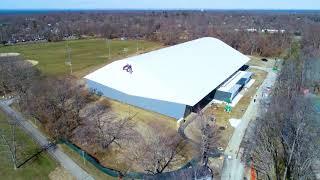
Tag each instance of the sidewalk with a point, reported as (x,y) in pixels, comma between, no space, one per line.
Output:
(232,168)
(56,153)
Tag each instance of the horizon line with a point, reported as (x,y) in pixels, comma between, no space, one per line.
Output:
(158,9)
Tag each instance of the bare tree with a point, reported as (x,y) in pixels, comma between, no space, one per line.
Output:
(57,104)
(112,130)
(159,152)
(194,172)
(104,128)
(208,134)
(16,75)
(285,140)
(263,150)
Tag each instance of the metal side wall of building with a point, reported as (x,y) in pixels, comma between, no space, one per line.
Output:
(222,96)
(171,109)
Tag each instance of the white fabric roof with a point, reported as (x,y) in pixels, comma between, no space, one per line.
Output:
(184,73)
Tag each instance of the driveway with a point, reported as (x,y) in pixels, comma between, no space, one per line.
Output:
(42,140)
(232,168)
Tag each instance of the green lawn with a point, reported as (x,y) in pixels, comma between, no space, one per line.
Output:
(86,55)
(39,168)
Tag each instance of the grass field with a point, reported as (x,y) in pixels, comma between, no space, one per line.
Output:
(86,55)
(39,168)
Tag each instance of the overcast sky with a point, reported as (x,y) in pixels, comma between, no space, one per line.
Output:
(160,4)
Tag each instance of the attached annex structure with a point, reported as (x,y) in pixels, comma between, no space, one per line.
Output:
(172,80)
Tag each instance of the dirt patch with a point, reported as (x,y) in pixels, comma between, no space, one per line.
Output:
(9,54)
(256,61)
(33,62)
(60,174)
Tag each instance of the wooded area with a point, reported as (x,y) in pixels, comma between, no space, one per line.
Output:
(265,34)
(284,142)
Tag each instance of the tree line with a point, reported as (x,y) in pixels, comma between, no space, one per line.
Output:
(168,27)
(283,143)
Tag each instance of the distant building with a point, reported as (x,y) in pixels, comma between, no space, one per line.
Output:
(251,30)
(176,80)
(272,31)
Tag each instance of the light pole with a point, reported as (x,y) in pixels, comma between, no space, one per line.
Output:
(137,44)
(68,58)
(84,160)
(137,37)
(108,43)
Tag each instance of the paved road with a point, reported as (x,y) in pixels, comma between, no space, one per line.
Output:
(56,153)
(316,169)
(232,168)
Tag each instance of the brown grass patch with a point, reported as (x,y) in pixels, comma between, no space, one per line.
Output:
(256,61)
(146,122)
(60,174)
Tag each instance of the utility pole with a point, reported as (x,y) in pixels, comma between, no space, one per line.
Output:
(84,160)
(137,37)
(1,40)
(2,33)
(14,149)
(108,43)
(137,44)
(125,50)
(68,58)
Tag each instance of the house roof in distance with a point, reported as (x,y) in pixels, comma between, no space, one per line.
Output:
(183,73)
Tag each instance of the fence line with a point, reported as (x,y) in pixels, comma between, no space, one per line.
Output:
(113,172)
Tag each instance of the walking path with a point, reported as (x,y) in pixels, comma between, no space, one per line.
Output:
(316,169)
(232,168)
(56,153)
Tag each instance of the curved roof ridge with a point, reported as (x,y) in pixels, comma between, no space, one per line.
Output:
(183,73)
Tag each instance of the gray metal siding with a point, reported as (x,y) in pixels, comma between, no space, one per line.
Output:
(171,109)
(245,79)
(235,90)
(230,94)
(222,96)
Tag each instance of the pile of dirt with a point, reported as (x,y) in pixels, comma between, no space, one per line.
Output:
(60,174)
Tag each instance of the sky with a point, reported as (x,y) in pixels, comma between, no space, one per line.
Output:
(160,4)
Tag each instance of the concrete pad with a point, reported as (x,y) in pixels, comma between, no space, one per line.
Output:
(249,84)
(216,101)
(234,102)
(234,122)
(236,99)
